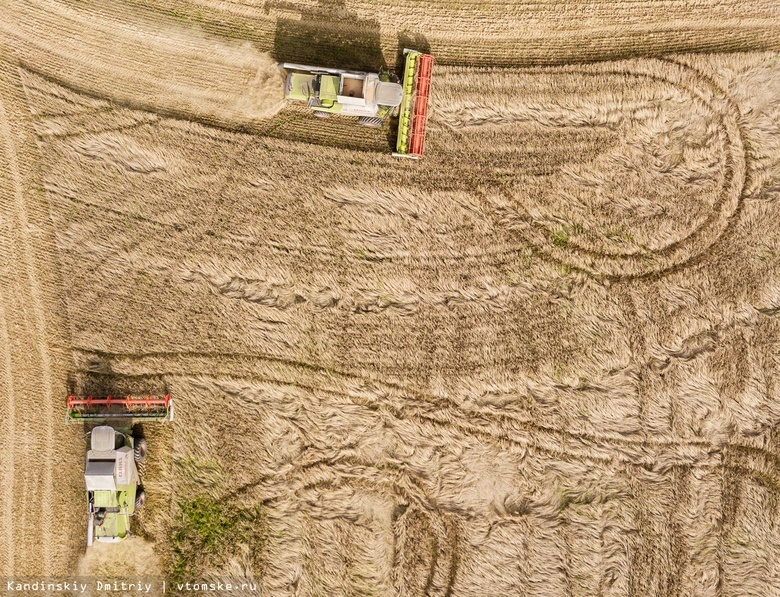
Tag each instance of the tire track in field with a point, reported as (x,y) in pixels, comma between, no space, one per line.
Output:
(445,413)
(27,293)
(8,414)
(682,251)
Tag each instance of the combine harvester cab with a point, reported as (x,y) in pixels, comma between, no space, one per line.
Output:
(413,116)
(111,471)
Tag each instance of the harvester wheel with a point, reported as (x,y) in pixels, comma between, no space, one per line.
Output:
(140,499)
(371,122)
(321,114)
(139,451)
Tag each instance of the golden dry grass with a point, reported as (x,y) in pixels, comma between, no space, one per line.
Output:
(542,361)
(130,559)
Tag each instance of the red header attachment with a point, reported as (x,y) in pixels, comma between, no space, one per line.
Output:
(421,99)
(128,407)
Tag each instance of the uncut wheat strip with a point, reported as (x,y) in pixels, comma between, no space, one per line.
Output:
(612,566)
(427,550)
(326,447)
(550,32)
(712,401)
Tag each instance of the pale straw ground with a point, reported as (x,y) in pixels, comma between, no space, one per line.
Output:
(542,361)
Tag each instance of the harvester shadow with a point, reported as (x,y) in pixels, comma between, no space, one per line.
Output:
(332,36)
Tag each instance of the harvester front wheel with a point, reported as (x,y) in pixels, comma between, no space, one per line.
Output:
(139,450)
(140,499)
(371,122)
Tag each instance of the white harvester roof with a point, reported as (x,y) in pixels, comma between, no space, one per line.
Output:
(103,438)
(99,475)
(106,467)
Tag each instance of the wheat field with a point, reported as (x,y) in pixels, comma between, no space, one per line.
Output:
(544,360)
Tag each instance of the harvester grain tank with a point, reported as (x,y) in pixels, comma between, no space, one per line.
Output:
(113,485)
(371,97)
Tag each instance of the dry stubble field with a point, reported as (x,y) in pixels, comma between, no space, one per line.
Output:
(542,361)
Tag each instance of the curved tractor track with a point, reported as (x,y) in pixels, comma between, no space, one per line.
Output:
(583,250)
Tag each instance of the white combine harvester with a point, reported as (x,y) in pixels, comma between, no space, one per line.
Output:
(372,97)
(111,472)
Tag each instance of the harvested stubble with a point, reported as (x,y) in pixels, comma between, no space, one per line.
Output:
(132,560)
(544,363)
(395,365)
(165,68)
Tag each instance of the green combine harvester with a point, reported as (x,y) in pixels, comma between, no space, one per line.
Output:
(371,97)
(111,472)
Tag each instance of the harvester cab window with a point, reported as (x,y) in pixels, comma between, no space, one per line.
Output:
(103,439)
